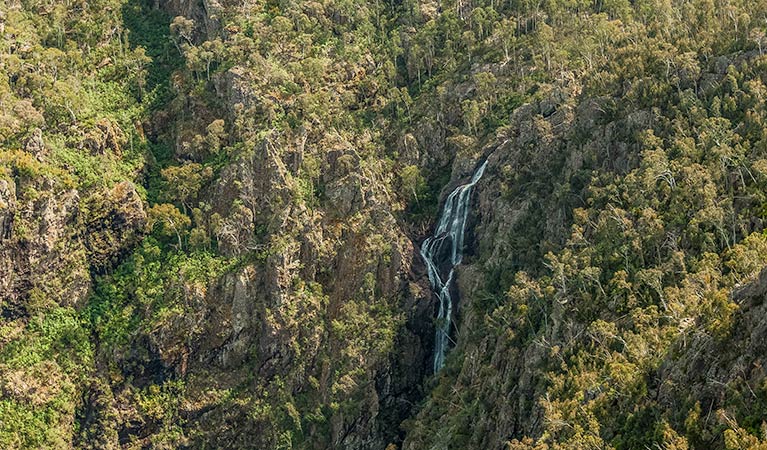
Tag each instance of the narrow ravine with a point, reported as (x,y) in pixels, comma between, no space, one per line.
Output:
(448,232)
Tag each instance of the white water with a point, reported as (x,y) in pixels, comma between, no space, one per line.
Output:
(451,227)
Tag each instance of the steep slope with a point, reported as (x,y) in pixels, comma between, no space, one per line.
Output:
(270,303)
(70,151)
(273,304)
(621,209)
(211,214)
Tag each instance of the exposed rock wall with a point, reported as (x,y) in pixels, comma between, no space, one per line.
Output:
(51,241)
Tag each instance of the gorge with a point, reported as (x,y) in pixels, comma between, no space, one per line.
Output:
(400,225)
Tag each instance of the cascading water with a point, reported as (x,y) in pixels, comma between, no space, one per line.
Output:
(451,227)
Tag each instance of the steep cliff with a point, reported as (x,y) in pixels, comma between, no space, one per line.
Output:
(275,302)
(70,207)
(211,214)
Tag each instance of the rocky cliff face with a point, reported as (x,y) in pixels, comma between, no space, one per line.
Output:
(52,240)
(322,320)
(321,286)
(213,242)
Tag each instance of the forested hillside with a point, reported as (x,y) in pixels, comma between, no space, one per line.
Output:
(211,213)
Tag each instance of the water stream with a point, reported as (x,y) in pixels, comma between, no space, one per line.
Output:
(449,231)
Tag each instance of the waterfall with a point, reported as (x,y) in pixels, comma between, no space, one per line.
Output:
(451,227)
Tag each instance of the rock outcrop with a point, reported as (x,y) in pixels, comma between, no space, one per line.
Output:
(51,240)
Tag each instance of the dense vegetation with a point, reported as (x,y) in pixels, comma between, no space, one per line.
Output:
(74,94)
(650,213)
(208,209)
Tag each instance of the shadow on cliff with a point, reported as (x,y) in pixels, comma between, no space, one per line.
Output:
(149,28)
